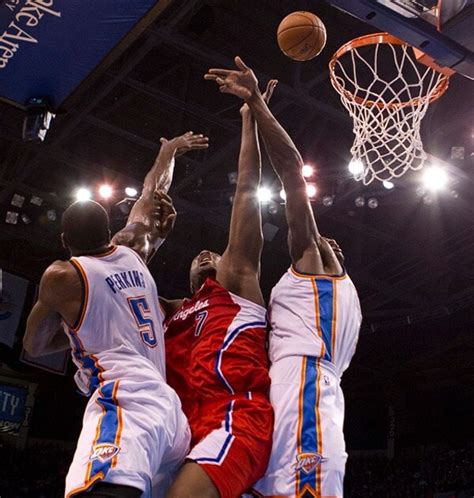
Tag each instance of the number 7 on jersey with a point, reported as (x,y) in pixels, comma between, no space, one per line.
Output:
(141,312)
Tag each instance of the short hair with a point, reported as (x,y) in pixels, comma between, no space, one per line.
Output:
(85,226)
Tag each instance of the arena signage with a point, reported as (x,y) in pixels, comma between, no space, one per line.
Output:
(48,47)
(12,408)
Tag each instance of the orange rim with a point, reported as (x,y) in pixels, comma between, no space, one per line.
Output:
(374,39)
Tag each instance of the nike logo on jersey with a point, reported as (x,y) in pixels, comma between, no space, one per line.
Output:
(125,280)
(183,314)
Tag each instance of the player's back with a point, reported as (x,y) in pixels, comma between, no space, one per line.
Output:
(314,316)
(119,333)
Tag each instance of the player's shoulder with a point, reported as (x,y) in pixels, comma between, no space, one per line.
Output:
(59,274)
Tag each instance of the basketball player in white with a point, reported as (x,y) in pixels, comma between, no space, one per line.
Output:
(315,317)
(103,303)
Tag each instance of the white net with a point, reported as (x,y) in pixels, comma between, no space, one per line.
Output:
(387,93)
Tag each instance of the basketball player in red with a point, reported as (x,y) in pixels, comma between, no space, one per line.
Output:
(216,349)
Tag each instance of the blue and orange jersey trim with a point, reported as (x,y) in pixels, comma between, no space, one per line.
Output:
(104,254)
(295,272)
(85,295)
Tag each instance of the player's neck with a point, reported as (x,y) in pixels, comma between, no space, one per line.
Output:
(92,252)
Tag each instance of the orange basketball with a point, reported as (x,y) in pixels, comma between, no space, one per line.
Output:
(301,35)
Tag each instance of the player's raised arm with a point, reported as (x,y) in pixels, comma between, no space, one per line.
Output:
(140,233)
(239,270)
(157,219)
(307,247)
(160,176)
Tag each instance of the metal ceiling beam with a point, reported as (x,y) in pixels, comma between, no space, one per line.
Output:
(190,108)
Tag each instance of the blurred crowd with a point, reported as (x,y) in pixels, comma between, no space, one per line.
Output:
(40,470)
(439,472)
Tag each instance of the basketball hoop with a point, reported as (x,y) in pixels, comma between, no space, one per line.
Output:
(387,93)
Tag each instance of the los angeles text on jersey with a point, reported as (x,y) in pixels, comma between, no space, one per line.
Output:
(125,280)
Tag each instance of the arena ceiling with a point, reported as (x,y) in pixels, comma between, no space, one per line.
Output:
(411,257)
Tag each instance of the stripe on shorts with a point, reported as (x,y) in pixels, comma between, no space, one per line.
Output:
(222,453)
(109,427)
(309,427)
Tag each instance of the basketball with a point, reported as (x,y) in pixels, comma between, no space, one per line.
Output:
(301,36)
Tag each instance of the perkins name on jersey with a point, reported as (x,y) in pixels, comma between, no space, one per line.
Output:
(125,280)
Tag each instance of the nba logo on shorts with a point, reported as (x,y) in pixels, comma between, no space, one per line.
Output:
(307,462)
(104,452)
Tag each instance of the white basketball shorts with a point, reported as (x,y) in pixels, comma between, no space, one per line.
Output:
(308,456)
(135,434)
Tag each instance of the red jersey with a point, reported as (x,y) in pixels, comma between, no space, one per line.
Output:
(216,351)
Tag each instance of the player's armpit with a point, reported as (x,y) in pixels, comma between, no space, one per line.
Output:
(170,306)
(240,280)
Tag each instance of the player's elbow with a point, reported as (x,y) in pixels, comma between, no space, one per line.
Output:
(28,345)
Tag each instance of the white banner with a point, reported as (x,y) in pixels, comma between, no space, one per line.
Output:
(12,298)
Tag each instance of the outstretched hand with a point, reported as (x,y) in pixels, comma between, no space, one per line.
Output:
(271,85)
(241,82)
(185,143)
(164,213)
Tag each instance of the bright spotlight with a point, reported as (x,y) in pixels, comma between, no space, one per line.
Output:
(356,167)
(264,195)
(388,184)
(308,170)
(283,194)
(311,190)
(131,192)
(83,194)
(435,178)
(105,191)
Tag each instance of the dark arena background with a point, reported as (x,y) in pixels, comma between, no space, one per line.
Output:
(112,79)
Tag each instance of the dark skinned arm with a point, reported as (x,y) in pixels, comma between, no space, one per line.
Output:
(309,251)
(60,296)
(239,268)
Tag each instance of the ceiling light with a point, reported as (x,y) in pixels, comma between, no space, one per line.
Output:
(131,192)
(25,219)
(83,194)
(11,218)
(307,171)
(37,201)
(359,201)
(328,200)
(273,207)
(264,195)
(283,194)
(17,200)
(105,191)
(373,203)
(311,190)
(388,184)
(435,178)
(356,167)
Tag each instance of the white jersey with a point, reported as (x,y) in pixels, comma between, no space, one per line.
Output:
(315,322)
(316,316)
(119,333)
(134,432)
